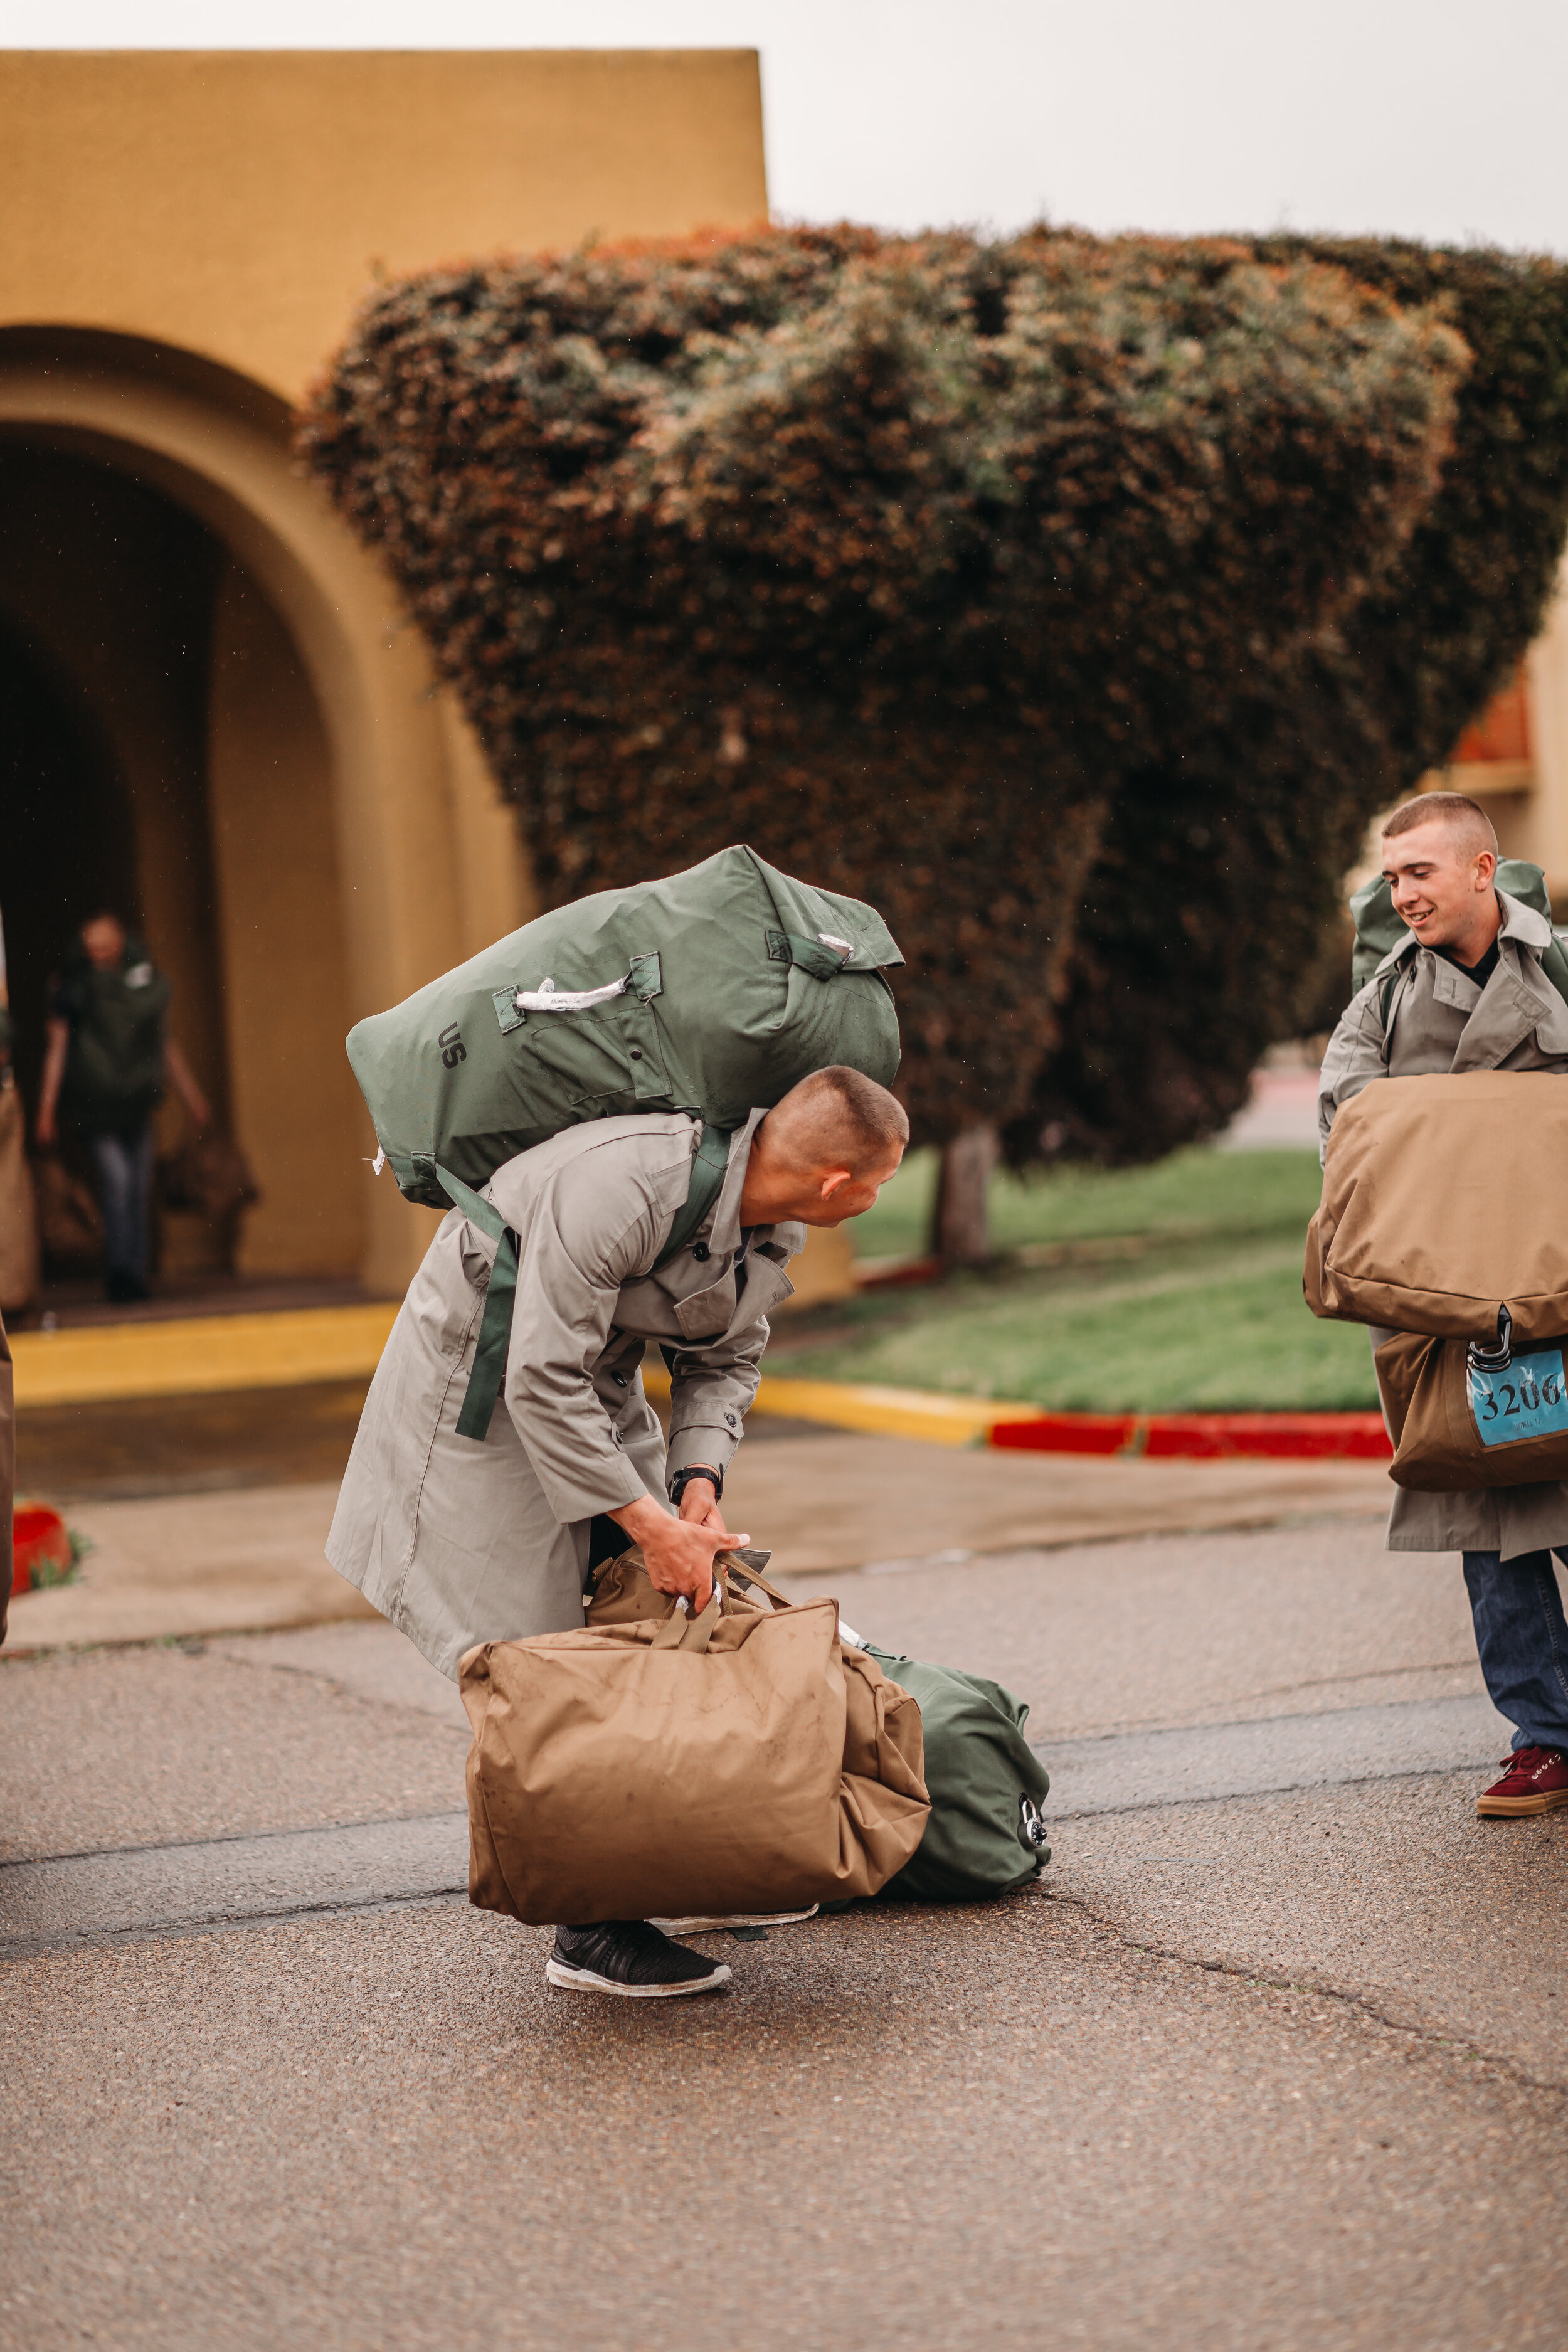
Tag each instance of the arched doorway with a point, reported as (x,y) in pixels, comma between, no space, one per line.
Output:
(177,773)
(304,827)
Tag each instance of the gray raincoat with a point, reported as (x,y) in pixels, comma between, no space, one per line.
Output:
(458,1542)
(1439,1020)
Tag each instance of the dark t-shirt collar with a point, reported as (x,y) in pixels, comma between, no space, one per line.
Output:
(1479,973)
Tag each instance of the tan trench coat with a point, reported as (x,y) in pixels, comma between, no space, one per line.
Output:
(459,1542)
(1439,1020)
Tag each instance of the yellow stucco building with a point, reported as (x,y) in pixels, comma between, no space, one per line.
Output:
(218,719)
(1514,759)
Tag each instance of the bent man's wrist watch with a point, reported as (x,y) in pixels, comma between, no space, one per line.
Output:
(682,1479)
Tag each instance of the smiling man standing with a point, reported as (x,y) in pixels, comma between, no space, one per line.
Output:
(1464,990)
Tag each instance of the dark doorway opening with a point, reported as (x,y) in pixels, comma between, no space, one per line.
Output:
(70,842)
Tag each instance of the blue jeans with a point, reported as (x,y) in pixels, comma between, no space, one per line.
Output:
(124,1164)
(1523,1643)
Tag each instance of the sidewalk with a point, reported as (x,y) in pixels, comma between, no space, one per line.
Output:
(201,1457)
(827,1501)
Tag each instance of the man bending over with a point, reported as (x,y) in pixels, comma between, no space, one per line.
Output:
(460,1540)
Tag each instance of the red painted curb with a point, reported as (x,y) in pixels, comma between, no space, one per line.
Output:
(38,1539)
(1068,1433)
(1203,1436)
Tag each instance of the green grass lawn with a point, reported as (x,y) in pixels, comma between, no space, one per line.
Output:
(1196,1302)
(1191,1195)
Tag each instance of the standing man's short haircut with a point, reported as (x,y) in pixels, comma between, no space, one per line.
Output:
(839,1113)
(1458,810)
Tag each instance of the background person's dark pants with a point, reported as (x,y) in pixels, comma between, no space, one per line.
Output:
(124,1164)
(1522,1639)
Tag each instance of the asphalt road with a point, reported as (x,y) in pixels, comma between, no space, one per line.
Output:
(1273,2058)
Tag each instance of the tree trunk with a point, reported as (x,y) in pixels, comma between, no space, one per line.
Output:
(961,1222)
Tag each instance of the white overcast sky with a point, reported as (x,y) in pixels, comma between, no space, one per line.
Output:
(1437,119)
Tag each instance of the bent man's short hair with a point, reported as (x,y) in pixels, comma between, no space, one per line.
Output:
(841,1115)
(1458,810)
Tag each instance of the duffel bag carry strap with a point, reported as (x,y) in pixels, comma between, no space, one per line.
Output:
(708,1163)
(489,1367)
(488,1371)
(681,1631)
(824,957)
(734,1564)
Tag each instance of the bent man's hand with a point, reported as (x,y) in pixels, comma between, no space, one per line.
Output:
(679,1554)
(699,1505)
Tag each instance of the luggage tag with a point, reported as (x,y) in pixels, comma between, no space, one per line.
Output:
(1515,1396)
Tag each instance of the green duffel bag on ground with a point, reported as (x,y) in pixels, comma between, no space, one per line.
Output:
(714,990)
(985,1782)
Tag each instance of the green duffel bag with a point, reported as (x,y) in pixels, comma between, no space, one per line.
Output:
(985,1782)
(714,990)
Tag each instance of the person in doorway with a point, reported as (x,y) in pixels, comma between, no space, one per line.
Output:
(460,1541)
(108,1055)
(1468,994)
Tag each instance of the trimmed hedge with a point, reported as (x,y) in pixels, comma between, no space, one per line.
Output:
(1213,922)
(904,560)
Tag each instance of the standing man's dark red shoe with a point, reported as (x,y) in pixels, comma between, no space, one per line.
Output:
(1534,1780)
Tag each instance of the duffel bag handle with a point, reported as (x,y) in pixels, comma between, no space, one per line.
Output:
(681,1631)
(734,1564)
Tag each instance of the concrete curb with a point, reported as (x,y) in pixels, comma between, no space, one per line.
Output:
(202,1354)
(889,1412)
(199,1354)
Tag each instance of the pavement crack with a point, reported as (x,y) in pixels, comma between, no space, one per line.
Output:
(1169,1804)
(221,1923)
(1321,1989)
(227,1837)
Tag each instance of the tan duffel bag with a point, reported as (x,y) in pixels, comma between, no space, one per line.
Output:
(641,1767)
(1462,1416)
(1444,1201)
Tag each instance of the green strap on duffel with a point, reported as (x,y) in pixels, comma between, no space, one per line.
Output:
(495,1326)
(707,1166)
(488,1371)
(815,956)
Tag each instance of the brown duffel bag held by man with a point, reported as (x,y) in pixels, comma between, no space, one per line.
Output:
(1440,1208)
(748,1762)
(1461,992)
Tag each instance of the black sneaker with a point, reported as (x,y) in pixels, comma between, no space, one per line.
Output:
(629,1957)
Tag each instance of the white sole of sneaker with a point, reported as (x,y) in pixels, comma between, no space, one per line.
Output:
(703,1920)
(586,1980)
